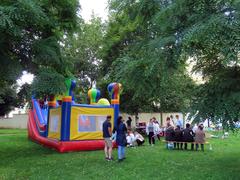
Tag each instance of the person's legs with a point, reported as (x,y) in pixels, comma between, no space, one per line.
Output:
(185,146)
(110,152)
(138,142)
(106,149)
(119,152)
(109,144)
(175,145)
(181,145)
(149,138)
(202,147)
(196,146)
(153,139)
(192,146)
(123,152)
(158,136)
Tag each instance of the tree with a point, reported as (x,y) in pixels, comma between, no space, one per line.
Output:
(144,54)
(218,99)
(213,41)
(30,32)
(83,47)
(8,99)
(23,95)
(150,42)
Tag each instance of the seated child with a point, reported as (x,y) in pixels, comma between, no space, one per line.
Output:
(130,138)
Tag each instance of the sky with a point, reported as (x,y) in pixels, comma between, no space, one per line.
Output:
(98,6)
(87,7)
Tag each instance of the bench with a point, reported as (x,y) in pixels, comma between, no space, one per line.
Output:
(184,142)
(210,146)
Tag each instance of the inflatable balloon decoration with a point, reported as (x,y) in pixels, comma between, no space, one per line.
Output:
(103,102)
(114,90)
(94,95)
(70,85)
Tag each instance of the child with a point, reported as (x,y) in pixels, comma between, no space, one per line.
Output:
(130,138)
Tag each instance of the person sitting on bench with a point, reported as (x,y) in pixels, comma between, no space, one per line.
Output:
(200,137)
(188,136)
(178,138)
(169,133)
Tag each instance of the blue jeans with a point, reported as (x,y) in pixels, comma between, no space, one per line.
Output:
(121,152)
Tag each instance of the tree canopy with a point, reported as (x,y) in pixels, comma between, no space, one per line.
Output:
(145,45)
(149,43)
(30,32)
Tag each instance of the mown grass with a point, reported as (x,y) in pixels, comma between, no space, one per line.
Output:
(23,159)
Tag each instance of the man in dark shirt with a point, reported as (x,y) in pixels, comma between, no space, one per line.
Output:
(107,133)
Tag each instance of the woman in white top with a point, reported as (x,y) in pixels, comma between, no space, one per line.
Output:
(150,132)
(157,129)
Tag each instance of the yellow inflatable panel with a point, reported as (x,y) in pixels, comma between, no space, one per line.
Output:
(54,128)
(86,123)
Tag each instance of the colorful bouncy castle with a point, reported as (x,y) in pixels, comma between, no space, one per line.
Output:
(67,126)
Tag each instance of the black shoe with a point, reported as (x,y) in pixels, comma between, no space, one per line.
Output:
(120,160)
(110,159)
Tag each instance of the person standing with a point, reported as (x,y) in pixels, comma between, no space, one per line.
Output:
(179,122)
(171,120)
(121,138)
(129,122)
(150,132)
(156,128)
(107,133)
(195,127)
(200,137)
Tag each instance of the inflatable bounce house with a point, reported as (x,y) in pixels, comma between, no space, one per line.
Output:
(67,126)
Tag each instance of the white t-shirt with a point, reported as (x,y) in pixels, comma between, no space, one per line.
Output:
(130,138)
(156,128)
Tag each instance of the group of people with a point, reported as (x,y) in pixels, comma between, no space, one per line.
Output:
(179,136)
(123,135)
(134,138)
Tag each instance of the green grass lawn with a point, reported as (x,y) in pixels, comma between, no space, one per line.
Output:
(23,159)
